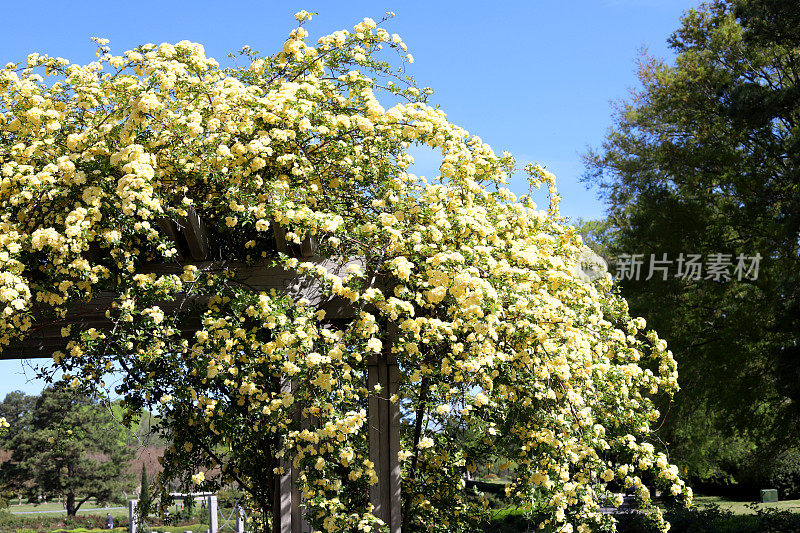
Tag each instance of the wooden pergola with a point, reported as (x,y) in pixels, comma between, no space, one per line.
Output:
(194,246)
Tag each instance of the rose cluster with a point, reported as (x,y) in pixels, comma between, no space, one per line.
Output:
(503,351)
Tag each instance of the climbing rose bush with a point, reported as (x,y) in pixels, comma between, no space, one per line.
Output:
(503,351)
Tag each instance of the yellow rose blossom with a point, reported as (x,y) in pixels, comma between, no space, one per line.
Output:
(247,243)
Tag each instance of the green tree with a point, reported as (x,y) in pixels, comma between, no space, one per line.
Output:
(704,159)
(15,408)
(597,235)
(144,492)
(71,446)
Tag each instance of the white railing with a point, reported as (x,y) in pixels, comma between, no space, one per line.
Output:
(212,508)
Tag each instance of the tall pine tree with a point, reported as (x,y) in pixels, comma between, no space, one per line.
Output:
(144,494)
(70,446)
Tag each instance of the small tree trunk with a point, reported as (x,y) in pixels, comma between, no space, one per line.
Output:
(423,403)
(71,510)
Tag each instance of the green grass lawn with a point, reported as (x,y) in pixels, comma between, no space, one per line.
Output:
(49,517)
(89,507)
(743,508)
(199,528)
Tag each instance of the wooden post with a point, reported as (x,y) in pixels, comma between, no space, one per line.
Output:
(299,524)
(167,227)
(309,246)
(132,515)
(288,518)
(384,436)
(395,478)
(284,505)
(213,519)
(280,237)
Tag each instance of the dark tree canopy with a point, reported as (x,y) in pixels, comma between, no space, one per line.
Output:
(704,159)
(70,445)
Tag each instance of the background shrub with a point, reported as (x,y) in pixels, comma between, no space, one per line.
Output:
(784,475)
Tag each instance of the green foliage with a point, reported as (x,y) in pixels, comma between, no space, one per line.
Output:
(704,519)
(84,530)
(67,444)
(597,235)
(784,475)
(228,497)
(704,159)
(713,519)
(188,506)
(5,497)
(14,407)
(512,521)
(194,528)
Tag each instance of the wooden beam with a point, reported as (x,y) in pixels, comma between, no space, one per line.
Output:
(45,335)
(280,238)
(307,248)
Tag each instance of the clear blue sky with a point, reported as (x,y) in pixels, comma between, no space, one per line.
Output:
(533,77)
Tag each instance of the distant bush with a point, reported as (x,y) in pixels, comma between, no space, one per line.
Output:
(5,500)
(36,523)
(84,530)
(83,524)
(706,519)
(197,528)
(778,521)
(713,519)
(784,475)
